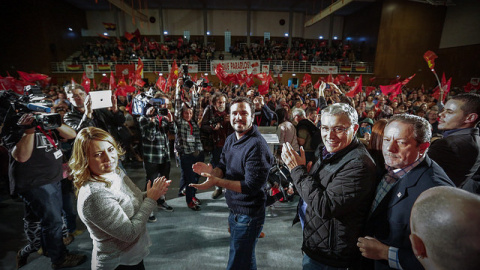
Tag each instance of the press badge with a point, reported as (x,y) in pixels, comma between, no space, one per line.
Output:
(58,154)
(190,138)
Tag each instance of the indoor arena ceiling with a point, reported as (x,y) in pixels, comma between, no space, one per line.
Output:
(309,7)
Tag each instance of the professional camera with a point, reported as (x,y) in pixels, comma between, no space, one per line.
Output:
(156,103)
(32,100)
(215,120)
(187,81)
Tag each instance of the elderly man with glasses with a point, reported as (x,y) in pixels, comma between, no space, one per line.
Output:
(336,192)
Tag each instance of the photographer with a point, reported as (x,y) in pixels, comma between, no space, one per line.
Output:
(35,171)
(154,127)
(187,140)
(264,116)
(216,128)
(82,114)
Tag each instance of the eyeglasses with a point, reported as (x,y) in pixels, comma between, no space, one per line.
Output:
(336,130)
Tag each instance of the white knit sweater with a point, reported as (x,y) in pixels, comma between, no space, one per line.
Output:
(116,218)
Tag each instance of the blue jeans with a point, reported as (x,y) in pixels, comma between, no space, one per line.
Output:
(188,176)
(244,232)
(310,264)
(45,202)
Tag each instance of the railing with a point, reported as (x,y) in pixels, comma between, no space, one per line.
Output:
(204,66)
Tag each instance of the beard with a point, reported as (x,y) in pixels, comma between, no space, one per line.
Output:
(241,126)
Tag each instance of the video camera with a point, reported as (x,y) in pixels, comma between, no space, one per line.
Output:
(187,80)
(33,100)
(156,103)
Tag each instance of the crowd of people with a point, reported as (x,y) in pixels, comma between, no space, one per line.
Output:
(123,50)
(358,165)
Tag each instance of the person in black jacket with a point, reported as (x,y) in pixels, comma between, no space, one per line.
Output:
(82,114)
(336,193)
(458,152)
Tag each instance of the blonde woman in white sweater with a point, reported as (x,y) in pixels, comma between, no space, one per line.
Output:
(112,207)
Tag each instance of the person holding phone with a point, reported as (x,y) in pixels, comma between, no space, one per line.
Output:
(82,115)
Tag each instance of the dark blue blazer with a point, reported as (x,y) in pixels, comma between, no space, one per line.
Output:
(390,221)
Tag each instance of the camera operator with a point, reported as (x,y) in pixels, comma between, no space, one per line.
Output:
(154,127)
(35,171)
(82,114)
(216,123)
(187,139)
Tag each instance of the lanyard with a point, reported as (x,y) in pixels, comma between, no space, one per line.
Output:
(191,128)
(49,136)
(258,119)
(159,119)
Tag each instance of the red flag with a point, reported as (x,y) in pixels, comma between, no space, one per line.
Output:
(329,78)
(317,84)
(393,89)
(168,84)
(137,34)
(369,89)
(9,82)
(307,79)
(241,77)
(123,90)
(372,79)
(121,82)
(112,85)
(221,74)
(356,88)
(174,70)
(128,36)
(161,82)
(33,77)
(249,80)
(407,80)
(138,74)
(444,80)
(430,57)
(266,79)
(85,82)
(446,88)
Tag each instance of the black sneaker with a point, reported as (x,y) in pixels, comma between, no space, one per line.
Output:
(217,193)
(71,260)
(152,218)
(21,260)
(165,207)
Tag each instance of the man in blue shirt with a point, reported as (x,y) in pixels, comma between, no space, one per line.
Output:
(243,169)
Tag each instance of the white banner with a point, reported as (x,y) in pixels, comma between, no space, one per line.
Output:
(89,71)
(265,69)
(235,66)
(324,70)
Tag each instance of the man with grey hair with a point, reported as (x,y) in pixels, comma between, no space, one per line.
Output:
(409,172)
(297,115)
(336,192)
(445,229)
